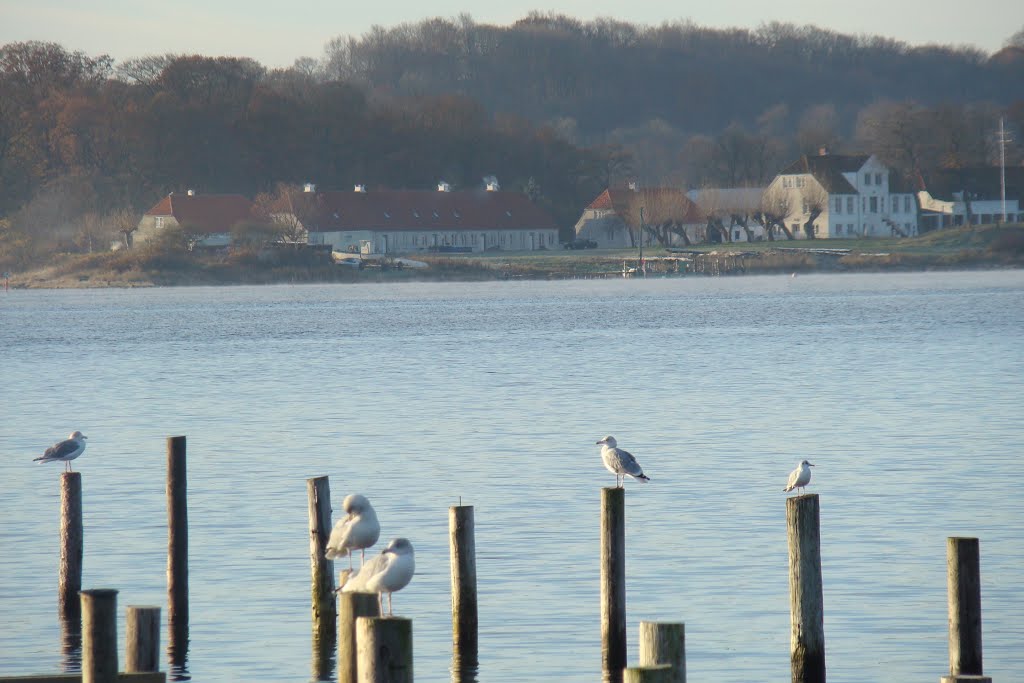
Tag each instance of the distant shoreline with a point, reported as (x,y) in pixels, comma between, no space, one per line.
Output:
(978,248)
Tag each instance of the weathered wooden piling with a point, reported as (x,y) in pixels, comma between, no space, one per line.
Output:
(99,635)
(613,583)
(806,604)
(71,545)
(655,673)
(143,640)
(664,643)
(177,533)
(318,490)
(352,606)
(963,589)
(465,619)
(384,649)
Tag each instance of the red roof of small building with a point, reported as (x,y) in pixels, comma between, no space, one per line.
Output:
(204,213)
(668,198)
(418,210)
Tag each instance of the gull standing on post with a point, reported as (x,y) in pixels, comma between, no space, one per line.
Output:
(388,572)
(65,451)
(359,528)
(620,462)
(800,477)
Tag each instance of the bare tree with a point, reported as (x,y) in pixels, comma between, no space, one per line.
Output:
(285,207)
(126,223)
(666,212)
(815,201)
(776,208)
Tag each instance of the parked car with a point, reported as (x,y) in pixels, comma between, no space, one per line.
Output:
(580,243)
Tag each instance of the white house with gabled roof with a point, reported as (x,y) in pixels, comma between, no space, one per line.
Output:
(843,196)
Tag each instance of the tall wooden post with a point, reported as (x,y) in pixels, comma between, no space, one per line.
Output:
(318,492)
(177,553)
(384,647)
(71,546)
(462,550)
(142,643)
(99,635)
(806,604)
(663,643)
(351,606)
(963,584)
(613,583)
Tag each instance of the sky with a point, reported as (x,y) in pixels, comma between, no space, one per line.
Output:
(275,34)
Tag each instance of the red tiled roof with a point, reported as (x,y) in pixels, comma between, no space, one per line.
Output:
(205,213)
(419,210)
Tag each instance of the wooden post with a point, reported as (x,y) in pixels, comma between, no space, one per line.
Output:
(177,532)
(656,673)
(71,546)
(613,583)
(177,554)
(806,605)
(143,640)
(351,606)
(462,550)
(99,635)
(963,588)
(318,490)
(663,643)
(384,649)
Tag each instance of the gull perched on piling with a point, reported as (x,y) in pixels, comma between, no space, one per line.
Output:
(358,529)
(65,451)
(800,477)
(620,462)
(388,572)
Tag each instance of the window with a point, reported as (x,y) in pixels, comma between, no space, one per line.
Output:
(839,204)
(849,229)
(906,204)
(815,228)
(159,222)
(735,235)
(787,182)
(867,178)
(874,204)
(839,228)
(799,182)
(895,204)
(849,205)
(804,205)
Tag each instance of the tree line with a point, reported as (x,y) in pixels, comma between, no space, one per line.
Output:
(551,105)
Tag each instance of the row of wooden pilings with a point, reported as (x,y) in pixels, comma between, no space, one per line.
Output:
(375,649)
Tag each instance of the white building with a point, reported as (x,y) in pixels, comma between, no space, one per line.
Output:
(842,196)
(391,221)
(955,196)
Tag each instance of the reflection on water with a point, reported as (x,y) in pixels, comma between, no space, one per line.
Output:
(177,651)
(71,640)
(464,671)
(325,647)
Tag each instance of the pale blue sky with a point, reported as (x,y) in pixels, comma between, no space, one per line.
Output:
(276,33)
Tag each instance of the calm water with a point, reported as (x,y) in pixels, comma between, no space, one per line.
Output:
(905,390)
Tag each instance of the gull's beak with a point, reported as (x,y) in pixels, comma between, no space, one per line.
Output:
(599,442)
(810,464)
(84,436)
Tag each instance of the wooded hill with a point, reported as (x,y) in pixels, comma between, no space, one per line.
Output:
(554,106)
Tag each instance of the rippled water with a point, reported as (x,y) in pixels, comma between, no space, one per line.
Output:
(905,390)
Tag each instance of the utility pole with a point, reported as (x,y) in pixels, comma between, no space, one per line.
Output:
(1003,139)
(640,265)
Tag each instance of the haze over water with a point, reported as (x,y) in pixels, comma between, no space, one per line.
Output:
(905,390)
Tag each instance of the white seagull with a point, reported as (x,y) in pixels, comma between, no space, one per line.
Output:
(358,529)
(800,477)
(388,572)
(620,462)
(65,451)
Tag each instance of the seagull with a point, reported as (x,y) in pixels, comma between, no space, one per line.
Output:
(800,477)
(65,451)
(388,572)
(620,462)
(357,529)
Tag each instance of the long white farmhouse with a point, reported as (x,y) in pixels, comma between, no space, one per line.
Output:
(392,221)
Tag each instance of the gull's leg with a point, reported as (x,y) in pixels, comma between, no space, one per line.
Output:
(350,560)
(362,557)
(390,613)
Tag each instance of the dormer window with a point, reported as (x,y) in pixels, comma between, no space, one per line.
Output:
(416,214)
(456,214)
(387,215)
(435,215)
(509,214)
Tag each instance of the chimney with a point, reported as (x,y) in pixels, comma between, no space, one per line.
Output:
(359,188)
(191,193)
(822,151)
(309,187)
(492,183)
(444,187)
(632,185)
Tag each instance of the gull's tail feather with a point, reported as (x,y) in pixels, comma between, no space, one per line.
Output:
(335,553)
